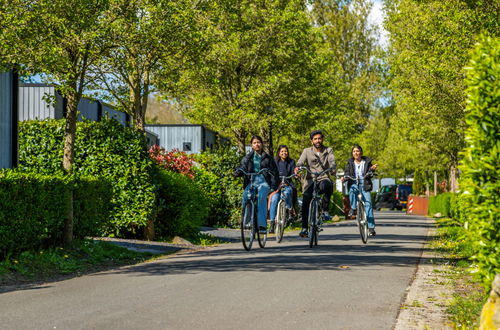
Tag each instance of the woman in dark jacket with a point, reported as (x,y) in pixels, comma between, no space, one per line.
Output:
(253,162)
(357,167)
(286,167)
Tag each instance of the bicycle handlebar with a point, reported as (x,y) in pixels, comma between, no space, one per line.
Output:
(348,177)
(257,173)
(316,173)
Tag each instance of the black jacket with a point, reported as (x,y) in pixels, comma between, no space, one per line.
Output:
(350,170)
(265,162)
(290,166)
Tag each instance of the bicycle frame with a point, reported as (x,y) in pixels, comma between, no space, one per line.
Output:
(252,198)
(315,223)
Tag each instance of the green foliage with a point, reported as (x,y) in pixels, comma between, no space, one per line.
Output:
(182,205)
(430,44)
(105,150)
(440,204)
(33,208)
(479,182)
(336,200)
(215,177)
(418,187)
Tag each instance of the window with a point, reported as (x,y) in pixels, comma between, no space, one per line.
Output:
(186,146)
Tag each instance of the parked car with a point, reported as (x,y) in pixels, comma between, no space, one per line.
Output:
(394,196)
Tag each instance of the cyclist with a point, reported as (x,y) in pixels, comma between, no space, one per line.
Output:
(253,162)
(318,158)
(286,167)
(358,167)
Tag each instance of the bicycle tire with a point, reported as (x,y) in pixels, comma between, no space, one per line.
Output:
(281,216)
(261,238)
(362,222)
(313,240)
(247,226)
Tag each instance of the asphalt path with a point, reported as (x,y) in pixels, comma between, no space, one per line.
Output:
(340,284)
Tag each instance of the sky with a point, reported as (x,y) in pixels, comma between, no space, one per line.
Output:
(376,17)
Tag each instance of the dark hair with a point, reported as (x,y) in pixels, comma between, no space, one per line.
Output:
(316,132)
(277,158)
(356,146)
(256,137)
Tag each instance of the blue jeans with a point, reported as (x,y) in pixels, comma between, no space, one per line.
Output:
(262,192)
(287,192)
(367,198)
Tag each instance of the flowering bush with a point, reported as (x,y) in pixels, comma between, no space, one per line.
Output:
(175,160)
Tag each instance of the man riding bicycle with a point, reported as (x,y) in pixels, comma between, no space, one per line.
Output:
(318,158)
(253,162)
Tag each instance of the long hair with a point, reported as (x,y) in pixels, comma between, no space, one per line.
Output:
(277,158)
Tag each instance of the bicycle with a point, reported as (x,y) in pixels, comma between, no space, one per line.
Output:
(283,213)
(249,224)
(361,219)
(316,214)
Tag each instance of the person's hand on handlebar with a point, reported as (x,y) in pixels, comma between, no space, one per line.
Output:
(237,173)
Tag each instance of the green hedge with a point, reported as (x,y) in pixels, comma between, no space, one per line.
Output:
(33,208)
(440,204)
(215,177)
(183,206)
(105,150)
(479,182)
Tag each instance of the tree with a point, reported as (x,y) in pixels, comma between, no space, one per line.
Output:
(254,70)
(152,38)
(430,43)
(61,39)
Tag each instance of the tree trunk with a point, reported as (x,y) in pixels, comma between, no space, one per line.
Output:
(241,136)
(435,183)
(68,222)
(69,158)
(70,132)
(453,179)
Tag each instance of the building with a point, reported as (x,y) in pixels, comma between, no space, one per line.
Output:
(8,119)
(41,101)
(188,138)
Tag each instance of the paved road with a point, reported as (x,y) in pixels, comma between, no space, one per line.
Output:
(341,284)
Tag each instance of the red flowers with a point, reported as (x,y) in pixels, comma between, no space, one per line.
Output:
(175,160)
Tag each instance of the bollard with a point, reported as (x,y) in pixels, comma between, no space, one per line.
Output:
(490,315)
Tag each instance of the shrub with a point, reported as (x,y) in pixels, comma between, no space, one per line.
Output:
(220,162)
(105,150)
(480,167)
(175,161)
(33,208)
(182,205)
(440,204)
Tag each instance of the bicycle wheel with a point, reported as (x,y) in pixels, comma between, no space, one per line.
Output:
(247,226)
(313,239)
(281,215)
(362,222)
(262,238)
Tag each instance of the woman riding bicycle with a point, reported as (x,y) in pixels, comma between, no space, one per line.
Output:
(253,162)
(361,167)
(286,167)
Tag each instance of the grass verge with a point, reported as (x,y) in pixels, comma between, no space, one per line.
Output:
(81,257)
(469,296)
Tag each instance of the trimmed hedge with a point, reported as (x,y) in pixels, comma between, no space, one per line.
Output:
(183,206)
(479,182)
(33,208)
(105,150)
(440,204)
